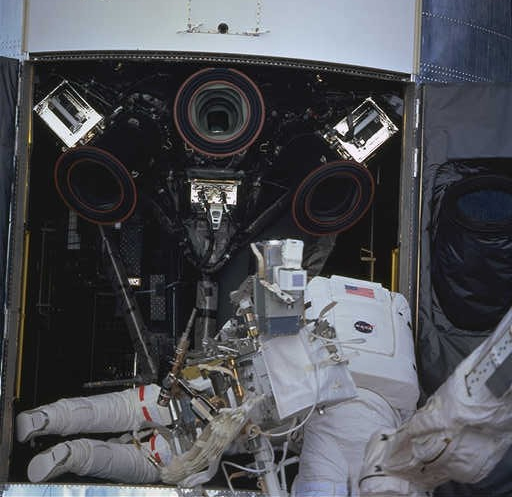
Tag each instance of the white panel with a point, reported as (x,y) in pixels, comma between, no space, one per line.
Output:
(11,28)
(368,33)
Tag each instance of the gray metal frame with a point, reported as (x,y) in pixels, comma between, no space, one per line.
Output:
(14,271)
(410,181)
(363,33)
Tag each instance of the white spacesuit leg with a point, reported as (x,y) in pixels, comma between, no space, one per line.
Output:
(118,462)
(463,430)
(111,412)
(334,444)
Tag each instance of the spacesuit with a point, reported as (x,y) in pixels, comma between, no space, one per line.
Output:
(124,411)
(374,325)
(461,433)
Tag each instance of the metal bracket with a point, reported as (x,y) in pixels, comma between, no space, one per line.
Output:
(491,365)
(275,290)
(133,316)
(362,132)
(366,255)
(223,28)
(68,115)
(214,196)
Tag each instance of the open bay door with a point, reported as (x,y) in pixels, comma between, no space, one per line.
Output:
(141,82)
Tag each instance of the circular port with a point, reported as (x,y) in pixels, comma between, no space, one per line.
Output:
(219,112)
(333,197)
(95,184)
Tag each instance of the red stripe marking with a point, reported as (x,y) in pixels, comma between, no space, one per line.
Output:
(155,454)
(146,413)
(141,393)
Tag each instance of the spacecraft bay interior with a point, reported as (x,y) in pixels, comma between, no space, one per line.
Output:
(148,182)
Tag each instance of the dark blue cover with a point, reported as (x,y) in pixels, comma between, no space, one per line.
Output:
(464,126)
(466,40)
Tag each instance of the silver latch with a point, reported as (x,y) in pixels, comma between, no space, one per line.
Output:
(214,196)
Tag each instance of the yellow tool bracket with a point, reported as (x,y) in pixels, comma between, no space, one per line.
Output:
(395,257)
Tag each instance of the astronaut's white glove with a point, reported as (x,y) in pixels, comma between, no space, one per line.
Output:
(187,468)
(202,476)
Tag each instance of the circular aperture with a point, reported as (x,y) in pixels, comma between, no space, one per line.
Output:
(333,197)
(99,190)
(219,112)
(341,187)
(96,185)
(486,206)
(480,203)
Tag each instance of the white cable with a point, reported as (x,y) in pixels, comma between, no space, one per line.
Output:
(227,349)
(226,476)
(294,428)
(287,462)
(281,468)
(267,441)
(243,468)
(223,465)
(285,452)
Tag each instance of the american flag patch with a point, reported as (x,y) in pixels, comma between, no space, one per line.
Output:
(359,290)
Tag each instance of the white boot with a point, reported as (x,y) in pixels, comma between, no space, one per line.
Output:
(106,413)
(109,460)
(49,464)
(29,424)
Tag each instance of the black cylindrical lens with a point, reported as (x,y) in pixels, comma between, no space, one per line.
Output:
(219,112)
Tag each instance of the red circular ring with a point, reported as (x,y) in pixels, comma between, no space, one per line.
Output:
(347,214)
(314,171)
(69,206)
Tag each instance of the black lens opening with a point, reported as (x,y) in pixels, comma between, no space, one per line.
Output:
(217,121)
(218,113)
(332,197)
(94,185)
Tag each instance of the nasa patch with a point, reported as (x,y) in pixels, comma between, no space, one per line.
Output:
(363,326)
